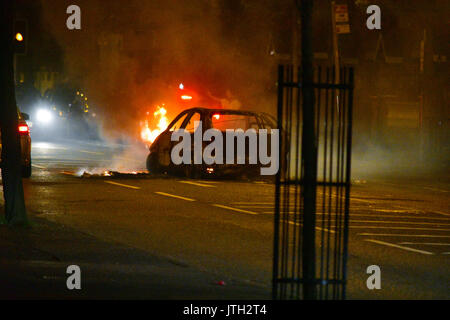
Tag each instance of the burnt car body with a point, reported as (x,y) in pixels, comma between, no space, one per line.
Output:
(159,159)
(25,143)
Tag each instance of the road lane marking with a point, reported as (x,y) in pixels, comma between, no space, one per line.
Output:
(318,228)
(233,209)
(91,152)
(436,212)
(174,196)
(427,243)
(122,185)
(436,189)
(39,167)
(402,235)
(399,211)
(400,222)
(239,203)
(379,216)
(448,252)
(440,212)
(399,247)
(197,184)
(399,228)
(255,206)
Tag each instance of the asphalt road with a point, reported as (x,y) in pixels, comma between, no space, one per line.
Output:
(226,227)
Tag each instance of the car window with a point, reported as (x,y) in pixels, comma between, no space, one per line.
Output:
(234,121)
(191,125)
(269,123)
(178,123)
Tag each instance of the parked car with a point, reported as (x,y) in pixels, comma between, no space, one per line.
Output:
(159,160)
(25,143)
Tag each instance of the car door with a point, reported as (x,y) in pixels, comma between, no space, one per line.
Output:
(164,141)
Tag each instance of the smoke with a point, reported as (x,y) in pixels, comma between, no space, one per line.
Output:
(131,55)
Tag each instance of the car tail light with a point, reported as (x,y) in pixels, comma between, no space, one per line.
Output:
(23,129)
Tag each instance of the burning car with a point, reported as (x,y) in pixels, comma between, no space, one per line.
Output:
(159,160)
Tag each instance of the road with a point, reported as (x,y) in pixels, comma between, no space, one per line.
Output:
(226,227)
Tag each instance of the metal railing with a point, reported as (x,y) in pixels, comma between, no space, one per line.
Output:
(311,228)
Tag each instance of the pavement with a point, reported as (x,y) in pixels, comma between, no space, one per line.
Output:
(138,236)
(35,259)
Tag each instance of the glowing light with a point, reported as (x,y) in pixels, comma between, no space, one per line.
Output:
(44,116)
(150,135)
(216,116)
(186,97)
(19,37)
(181,86)
(23,128)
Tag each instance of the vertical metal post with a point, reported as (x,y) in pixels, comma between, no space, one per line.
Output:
(347,182)
(309,155)
(276,232)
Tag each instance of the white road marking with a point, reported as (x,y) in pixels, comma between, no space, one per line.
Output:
(239,203)
(255,206)
(318,228)
(398,211)
(234,209)
(122,185)
(397,228)
(400,222)
(399,247)
(436,189)
(373,215)
(39,167)
(174,196)
(443,213)
(198,184)
(402,235)
(437,212)
(427,243)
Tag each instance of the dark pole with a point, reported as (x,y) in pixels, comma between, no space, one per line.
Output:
(309,155)
(15,212)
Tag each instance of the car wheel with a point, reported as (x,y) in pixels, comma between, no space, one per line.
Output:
(153,164)
(26,171)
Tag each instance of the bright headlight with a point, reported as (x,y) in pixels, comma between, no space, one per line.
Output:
(44,116)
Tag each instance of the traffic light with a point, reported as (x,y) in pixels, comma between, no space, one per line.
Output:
(20,37)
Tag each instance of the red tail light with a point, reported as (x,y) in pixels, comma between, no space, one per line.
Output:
(23,129)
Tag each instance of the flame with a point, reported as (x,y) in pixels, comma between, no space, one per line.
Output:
(150,135)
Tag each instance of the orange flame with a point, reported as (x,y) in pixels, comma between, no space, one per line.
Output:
(150,135)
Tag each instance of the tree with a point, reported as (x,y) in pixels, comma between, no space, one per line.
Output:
(15,211)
